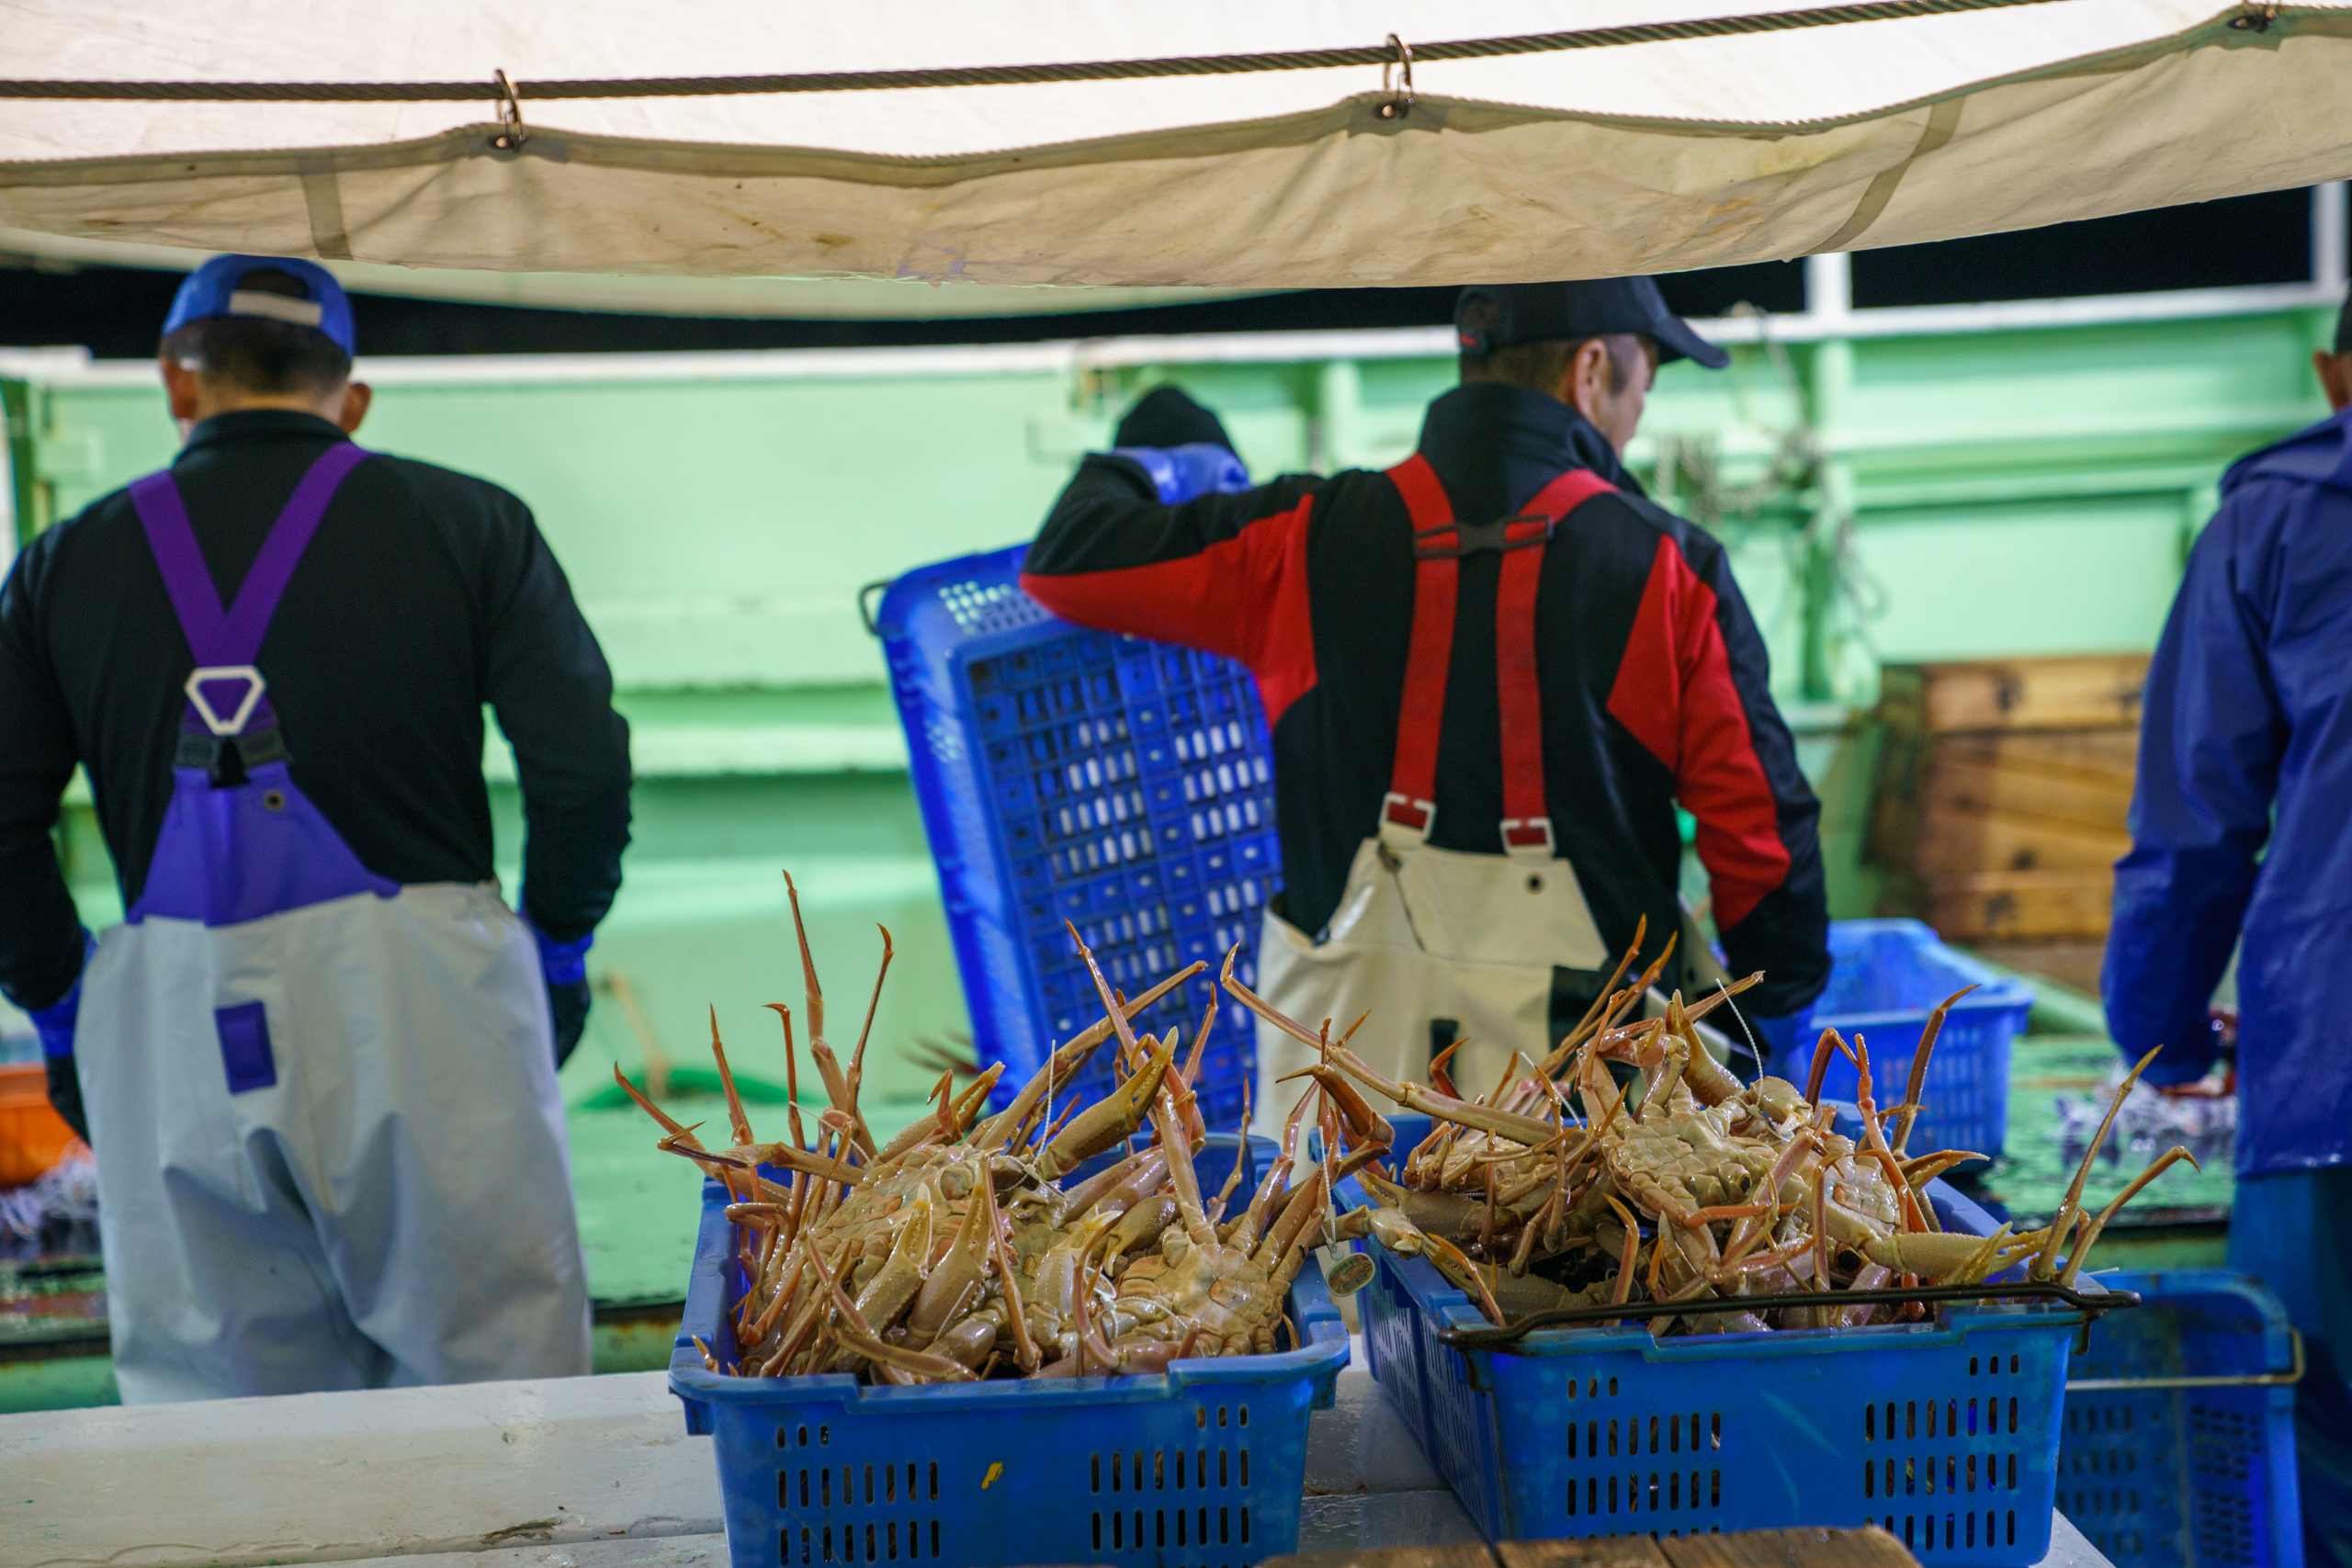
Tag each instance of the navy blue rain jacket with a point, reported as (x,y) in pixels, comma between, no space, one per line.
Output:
(2246,741)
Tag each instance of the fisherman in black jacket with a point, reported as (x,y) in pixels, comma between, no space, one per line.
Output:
(1492,674)
(317,1062)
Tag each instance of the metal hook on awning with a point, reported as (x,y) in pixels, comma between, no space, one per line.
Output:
(2257,18)
(511,132)
(1400,99)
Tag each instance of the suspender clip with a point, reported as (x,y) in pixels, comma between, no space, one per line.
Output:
(1528,838)
(1414,818)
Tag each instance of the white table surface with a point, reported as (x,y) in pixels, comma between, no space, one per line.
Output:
(572,1472)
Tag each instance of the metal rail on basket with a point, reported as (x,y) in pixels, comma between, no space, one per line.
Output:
(2241,1379)
(1507,1339)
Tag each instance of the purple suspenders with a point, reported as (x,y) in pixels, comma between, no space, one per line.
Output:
(250,845)
(225,690)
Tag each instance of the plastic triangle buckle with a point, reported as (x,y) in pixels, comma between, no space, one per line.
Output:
(210,674)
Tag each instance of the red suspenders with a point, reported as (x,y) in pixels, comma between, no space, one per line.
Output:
(1438,542)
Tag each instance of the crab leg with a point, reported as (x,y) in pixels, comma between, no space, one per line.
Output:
(1024,1347)
(1831,1040)
(1112,1118)
(1908,1111)
(998,1131)
(1631,1251)
(858,1335)
(1927,1167)
(1874,1141)
(2064,1219)
(735,1117)
(1162,1110)
(839,1086)
(1590,1023)
(857,1057)
(1456,1265)
(1528,1129)
(791,1073)
(683,1136)
(2157,1168)
(1531,1131)
(1709,1079)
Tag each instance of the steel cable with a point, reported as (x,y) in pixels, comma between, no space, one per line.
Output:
(999,75)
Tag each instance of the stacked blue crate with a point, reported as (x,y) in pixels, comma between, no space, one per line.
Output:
(1122,786)
(2179,1442)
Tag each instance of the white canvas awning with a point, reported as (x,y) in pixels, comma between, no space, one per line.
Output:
(1603,151)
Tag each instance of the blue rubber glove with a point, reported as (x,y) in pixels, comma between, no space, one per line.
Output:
(55,1025)
(564,967)
(1180,473)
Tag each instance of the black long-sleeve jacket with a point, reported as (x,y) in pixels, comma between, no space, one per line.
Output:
(1654,680)
(425,594)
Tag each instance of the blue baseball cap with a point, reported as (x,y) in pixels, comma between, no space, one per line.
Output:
(1492,316)
(213,289)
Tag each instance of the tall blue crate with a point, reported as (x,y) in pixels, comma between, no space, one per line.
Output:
(1124,785)
(1885,976)
(1944,1434)
(2164,1472)
(1201,1466)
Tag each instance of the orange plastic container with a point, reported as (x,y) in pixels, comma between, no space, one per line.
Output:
(33,1136)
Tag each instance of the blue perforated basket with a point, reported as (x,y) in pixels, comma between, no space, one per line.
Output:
(2179,1444)
(1945,1434)
(1200,1467)
(1885,976)
(1067,774)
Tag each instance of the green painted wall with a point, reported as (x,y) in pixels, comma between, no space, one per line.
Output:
(1946,496)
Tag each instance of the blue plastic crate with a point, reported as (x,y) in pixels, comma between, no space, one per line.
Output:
(2165,1475)
(1125,786)
(1885,976)
(1608,1431)
(1200,1467)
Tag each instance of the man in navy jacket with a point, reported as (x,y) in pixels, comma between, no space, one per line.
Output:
(2238,833)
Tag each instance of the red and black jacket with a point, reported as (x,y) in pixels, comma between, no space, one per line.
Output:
(1654,677)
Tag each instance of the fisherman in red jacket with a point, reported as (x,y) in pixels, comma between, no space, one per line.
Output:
(1492,672)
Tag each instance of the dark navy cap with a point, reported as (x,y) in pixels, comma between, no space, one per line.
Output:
(1600,307)
(213,289)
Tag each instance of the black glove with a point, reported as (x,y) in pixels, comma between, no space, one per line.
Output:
(567,1004)
(65,1095)
(1166,417)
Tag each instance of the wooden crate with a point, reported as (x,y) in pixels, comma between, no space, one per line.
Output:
(1965,773)
(1954,840)
(2005,793)
(2083,692)
(1953,803)
(2006,906)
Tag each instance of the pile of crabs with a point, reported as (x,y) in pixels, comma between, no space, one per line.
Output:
(964,1247)
(1570,1186)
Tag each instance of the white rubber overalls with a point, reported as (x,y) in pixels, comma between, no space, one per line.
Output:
(1440,944)
(331,1151)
